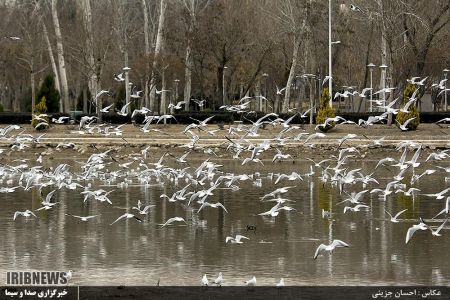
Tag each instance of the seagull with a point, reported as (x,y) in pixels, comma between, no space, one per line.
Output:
(280,284)
(204,280)
(403,126)
(436,232)
(235,240)
(355,8)
(86,119)
(218,281)
(14,38)
(330,247)
(84,219)
(251,282)
(394,218)
(356,208)
(446,208)
(409,192)
(41,125)
(161,91)
(279,92)
(318,165)
(327,77)
(414,228)
(99,94)
(26,214)
(106,109)
(177,106)
(127,216)
(280,156)
(68,275)
(166,117)
(119,77)
(60,120)
(213,205)
(439,195)
(171,220)
(326,214)
(123,110)
(136,94)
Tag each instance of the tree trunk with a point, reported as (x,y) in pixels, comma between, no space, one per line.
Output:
(276,104)
(158,46)
(366,73)
(258,99)
(163,94)
(384,57)
(85,99)
(33,92)
(52,60)
(287,94)
(61,62)
(147,52)
(92,71)
(189,64)
(220,87)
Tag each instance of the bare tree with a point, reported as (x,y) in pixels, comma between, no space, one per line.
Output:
(158,47)
(61,60)
(437,19)
(52,58)
(193,9)
(292,15)
(93,80)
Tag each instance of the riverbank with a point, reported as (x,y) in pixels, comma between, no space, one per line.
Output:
(169,138)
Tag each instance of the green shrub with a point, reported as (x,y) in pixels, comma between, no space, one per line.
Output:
(413,112)
(325,111)
(41,108)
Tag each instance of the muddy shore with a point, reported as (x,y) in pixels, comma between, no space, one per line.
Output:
(169,138)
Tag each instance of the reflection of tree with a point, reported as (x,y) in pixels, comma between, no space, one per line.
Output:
(325,195)
(405,202)
(324,192)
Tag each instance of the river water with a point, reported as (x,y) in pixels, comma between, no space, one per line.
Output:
(133,253)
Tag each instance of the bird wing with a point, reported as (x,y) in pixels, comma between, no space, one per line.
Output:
(49,196)
(120,218)
(410,233)
(221,205)
(388,214)
(440,227)
(347,208)
(239,237)
(17,213)
(339,243)
(146,208)
(399,213)
(319,250)
(408,121)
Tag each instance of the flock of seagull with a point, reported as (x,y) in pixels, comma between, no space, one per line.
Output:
(196,184)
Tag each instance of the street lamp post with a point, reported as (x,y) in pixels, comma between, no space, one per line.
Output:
(383,83)
(371,66)
(445,88)
(127,86)
(224,90)
(177,81)
(265,75)
(330,85)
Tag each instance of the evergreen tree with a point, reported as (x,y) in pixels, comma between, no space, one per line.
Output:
(325,111)
(50,93)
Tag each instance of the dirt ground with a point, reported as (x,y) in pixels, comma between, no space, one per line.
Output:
(171,139)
